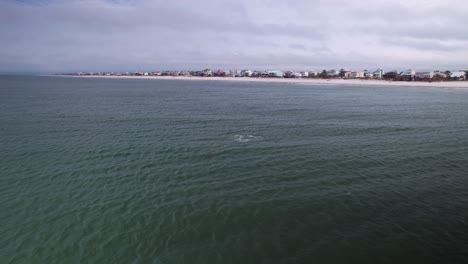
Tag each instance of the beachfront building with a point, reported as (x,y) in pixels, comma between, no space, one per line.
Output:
(219,73)
(237,73)
(391,75)
(440,75)
(313,74)
(357,75)
(407,75)
(296,75)
(207,72)
(184,73)
(246,73)
(378,74)
(276,74)
(459,75)
(305,74)
(424,76)
(291,74)
(368,74)
(194,73)
(347,74)
(256,74)
(333,73)
(229,73)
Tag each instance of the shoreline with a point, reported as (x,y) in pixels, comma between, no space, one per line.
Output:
(346,82)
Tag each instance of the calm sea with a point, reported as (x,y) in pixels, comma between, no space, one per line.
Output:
(156,171)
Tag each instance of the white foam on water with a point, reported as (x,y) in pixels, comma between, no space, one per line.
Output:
(246,138)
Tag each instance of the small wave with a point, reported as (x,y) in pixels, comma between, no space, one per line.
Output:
(246,138)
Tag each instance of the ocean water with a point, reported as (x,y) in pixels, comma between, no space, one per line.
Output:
(157,171)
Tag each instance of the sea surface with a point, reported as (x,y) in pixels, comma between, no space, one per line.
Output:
(166,171)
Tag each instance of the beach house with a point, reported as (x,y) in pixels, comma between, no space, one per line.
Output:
(407,75)
(276,74)
(184,73)
(424,76)
(313,74)
(459,75)
(368,74)
(256,74)
(207,72)
(440,75)
(378,74)
(246,73)
(219,73)
(391,75)
(357,75)
(296,75)
(333,73)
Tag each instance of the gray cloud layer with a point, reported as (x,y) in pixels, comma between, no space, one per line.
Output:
(52,36)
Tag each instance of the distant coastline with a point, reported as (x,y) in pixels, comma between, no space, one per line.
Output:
(300,81)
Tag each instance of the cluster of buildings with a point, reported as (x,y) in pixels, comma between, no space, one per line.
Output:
(406,75)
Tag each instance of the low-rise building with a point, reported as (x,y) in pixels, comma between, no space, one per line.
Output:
(407,75)
(256,74)
(391,75)
(459,75)
(246,73)
(440,75)
(357,75)
(184,73)
(219,73)
(296,75)
(276,74)
(378,74)
(368,74)
(207,72)
(333,73)
(421,76)
(313,74)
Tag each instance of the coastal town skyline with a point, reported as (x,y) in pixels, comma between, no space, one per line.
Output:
(378,74)
(129,35)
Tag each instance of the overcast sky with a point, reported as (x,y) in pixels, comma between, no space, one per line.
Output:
(131,35)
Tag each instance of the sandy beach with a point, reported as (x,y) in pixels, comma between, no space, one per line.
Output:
(347,82)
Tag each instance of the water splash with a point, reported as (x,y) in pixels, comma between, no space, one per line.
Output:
(246,138)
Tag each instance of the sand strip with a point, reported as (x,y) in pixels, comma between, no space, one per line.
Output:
(350,82)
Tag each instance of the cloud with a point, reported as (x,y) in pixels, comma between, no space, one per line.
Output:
(81,35)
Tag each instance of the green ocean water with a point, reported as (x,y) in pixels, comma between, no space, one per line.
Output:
(155,171)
